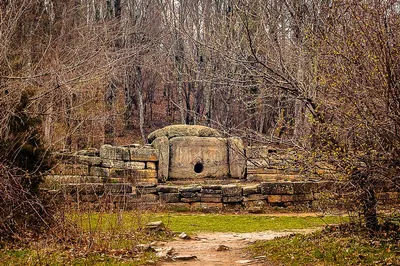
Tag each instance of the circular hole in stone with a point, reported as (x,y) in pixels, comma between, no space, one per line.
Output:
(198,168)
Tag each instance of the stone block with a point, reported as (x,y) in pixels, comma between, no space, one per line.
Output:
(212,187)
(195,157)
(232,199)
(148,198)
(189,194)
(89,160)
(288,198)
(276,188)
(108,163)
(161,144)
(99,171)
(206,206)
(173,131)
(274,198)
(304,187)
(114,152)
(118,188)
(211,198)
(190,189)
(136,166)
(70,169)
(257,206)
(151,165)
(303,197)
(146,190)
(169,197)
(237,158)
(254,197)
(232,191)
(253,189)
(189,200)
(210,191)
(167,189)
(143,154)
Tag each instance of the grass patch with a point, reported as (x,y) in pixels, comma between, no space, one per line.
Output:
(332,246)
(195,223)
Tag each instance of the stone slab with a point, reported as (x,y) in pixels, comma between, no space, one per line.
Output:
(143,154)
(232,191)
(195,157)
(237,158)
(277,188)
(161,144)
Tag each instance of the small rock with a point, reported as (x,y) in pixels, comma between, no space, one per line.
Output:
(183,235)
(222,248)
(185,257)
(260,257)
(156,226)
(144,247)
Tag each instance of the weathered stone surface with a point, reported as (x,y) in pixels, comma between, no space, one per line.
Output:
(304,187)
(237,159)
(287,198)
(254,197)
(229,199)
(151,165)
(211,198)
(161,144)
(183,130)
(53,180)
(213,187)
(108,163)
(192,199)
(156,226)
(206,206)
(189,194)
(99,171)
(169,197)
(274,198)
(280,188)
(146,190)
(255,206)
(117,188)
(89,160)
(190,189)
(231,191)
(114,152)
(253,189)
(195,157)
(167,189)
(143,154)
(303,197)
(148,198)
(88,152)
(210,191)
(135,165)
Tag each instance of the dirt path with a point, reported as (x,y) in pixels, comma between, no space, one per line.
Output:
(205,249)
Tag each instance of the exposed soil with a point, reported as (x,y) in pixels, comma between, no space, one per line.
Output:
(231,246)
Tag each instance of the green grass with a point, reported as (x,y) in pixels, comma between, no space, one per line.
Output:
(324,248)
(195,223)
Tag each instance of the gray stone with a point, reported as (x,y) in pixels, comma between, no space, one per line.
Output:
(195,157)
(253,189)
(161,144)
(254,197)
(184,257)
(205,195)
(190,189)
(99,171)
(145,198)
(143,154)
(231,191)
(167,189)
(237,158)
(169,197)
(189,194)
(192,199)
(89,160)
(108,163)
(146,190)
(136,165)
(183,235)
(209,198)
(231,199)
(107,152)
(156,226)
(210,191)
(277,188)
(183,130)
